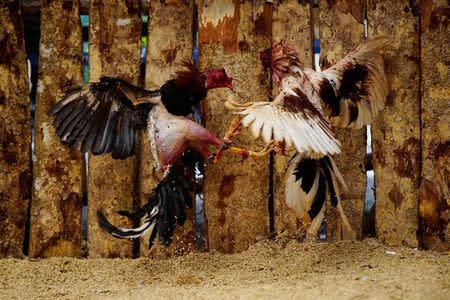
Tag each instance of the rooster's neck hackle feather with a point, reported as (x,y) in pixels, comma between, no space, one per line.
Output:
(279,59)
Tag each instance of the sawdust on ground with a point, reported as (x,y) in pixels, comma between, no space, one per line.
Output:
(268,270)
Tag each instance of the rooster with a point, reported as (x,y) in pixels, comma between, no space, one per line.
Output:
(106,116)
(348,94)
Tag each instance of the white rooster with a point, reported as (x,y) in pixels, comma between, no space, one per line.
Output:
(348,94)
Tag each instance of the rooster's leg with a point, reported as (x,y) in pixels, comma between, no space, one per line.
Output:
(248,153)
(232,131)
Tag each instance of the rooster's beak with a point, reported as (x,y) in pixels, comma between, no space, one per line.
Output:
(230,84)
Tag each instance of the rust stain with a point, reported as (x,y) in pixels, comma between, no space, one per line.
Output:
(170,54)
(8,148)
(67,4)
(407,158)
(429,204)
(7,49)
(222,219)
(2,98)
(439,17)
(425,14)
(395,196)
(378,153)
(25,185)
(226,187)
(55,170)
(69,209)
(353,7)
(218,25)
(132,6)
(243,45)
(263,22)
(442,150)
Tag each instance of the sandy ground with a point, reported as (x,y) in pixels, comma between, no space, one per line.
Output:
(268,270)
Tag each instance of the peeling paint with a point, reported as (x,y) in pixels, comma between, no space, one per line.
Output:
(38,183)
(46,52)
(46,137)
(218,23)
(40,87)
(123,22)
(216,11)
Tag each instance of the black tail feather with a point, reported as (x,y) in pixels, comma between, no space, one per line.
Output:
(165,209)
(124,233)
(306,170)
(327,168)
(319,200)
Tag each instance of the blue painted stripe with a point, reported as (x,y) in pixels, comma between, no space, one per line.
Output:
(316,46)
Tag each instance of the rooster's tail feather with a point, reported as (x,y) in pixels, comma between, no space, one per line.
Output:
(306,189)
(165,209)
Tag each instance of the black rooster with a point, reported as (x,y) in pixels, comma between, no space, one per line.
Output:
(105,117)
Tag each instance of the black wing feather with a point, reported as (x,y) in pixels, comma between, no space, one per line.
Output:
(102,116)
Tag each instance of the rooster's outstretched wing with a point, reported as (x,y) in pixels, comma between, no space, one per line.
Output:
(103,116)
(291,118)
(354,90)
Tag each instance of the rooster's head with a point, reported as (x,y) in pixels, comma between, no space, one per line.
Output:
(191,77)
(217,78)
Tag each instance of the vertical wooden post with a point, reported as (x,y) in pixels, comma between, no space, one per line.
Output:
(291,22)
(115,28)
(57,198)
(15,179)
(170,40)
(435,110)
(396,131)
(340,33)
(231,34)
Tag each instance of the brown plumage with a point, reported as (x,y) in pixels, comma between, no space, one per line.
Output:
(354,90)
(349,94)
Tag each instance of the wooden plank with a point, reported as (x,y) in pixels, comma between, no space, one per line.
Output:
(435,109)
(57,198)
(231,34)
(115,29)
(15,179)
(33,7)
(340,33)
(291,22)
(396,131)
(170,39)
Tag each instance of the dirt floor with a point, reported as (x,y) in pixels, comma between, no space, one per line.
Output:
(270,269)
